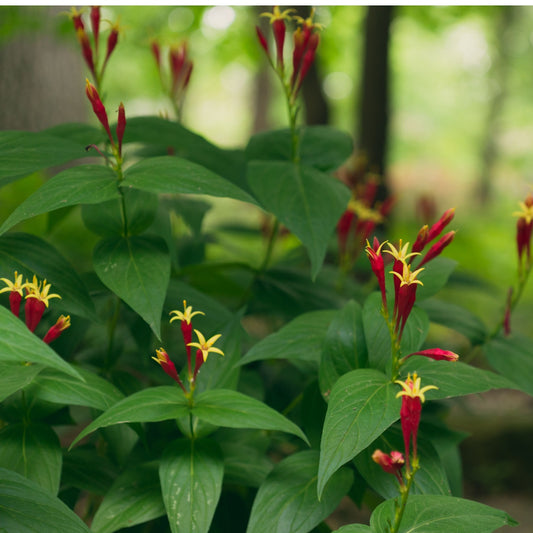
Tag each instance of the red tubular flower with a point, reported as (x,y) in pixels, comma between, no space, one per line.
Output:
(98,108)
(112,41)
(262,40)
(36,302)
(279,29)
(405,297)
(121,126)
(443,221)
(437,248)
(437,354)
(524,225)
(401,257)
(62,323)
(15,292)
(421,240)
(307,60)
(392,464)
(86,50)
(378,267)
(412,399)
(95,24)
(168,366)
(75,16)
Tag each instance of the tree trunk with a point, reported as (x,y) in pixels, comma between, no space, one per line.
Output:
(374,107)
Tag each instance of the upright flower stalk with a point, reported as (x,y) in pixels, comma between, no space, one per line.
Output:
(90,47)
(203,349)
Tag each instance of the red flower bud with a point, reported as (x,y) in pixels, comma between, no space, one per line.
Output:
(262,40)
(121,126)
(33,311)
(62,323)
(95,24)
(98,108)
(86,50)
(443,221)
(437,354)
(437,248)
(168,366)
(278,28)
(111,43)
(421,240)
(392,464)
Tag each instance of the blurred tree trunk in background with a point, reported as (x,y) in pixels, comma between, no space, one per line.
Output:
(504,31)
(373,120)
(42,81)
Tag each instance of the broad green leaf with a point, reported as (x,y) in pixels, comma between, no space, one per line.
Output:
(344,348)
(322,147)
(26,506)
(134,498)
(187,144)
(106,218)
(457,318)
(174,175)
(148,405)
(362,405)
(430,479)
(15,376)
(287,500)
(57,387)
(29,254)
(32,450)
(513,358)
(301,339)
(377,333)
(191,474)
(245,456)
(438,514)
(137,269)
(85,468)
(355,528)
(454,378)
(78,132)
(24,152)
(228,408)
(304,199)
(85,184)
(19,344)
(434,276)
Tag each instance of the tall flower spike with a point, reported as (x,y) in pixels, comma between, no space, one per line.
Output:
(15,292)
(36,302)
(412,399)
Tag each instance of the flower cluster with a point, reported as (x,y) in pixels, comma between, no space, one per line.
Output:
(174,84)
(305,43)
(101,114)
(37,295)
(406,279)
(363,213)
(91,50)
(203,349)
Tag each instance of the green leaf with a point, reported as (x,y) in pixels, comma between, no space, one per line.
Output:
(85,184)
(436,514)
(287,501)
(78,132)
(85,468)
(457,318)
(434,277)
(377,333)
(95,391)
(344,347)
(19,344)
(24,152)
(26,506)
(305,200)
(148,405)
(32,450)
(513,358)
(15,376)
(454,378)
(168,133)
(362,405)
(322,147)
(134,498)
(354,528)
(106,218)
(137,269)
(301,339)
(191,481)
(430,479)
(228,408)
(30,255)
(174,175)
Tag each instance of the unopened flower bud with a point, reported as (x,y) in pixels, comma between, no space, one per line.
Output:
(62,323)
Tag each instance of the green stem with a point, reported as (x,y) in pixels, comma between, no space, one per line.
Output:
(270,246)
(404,496)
